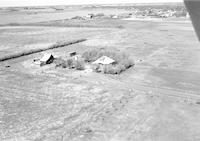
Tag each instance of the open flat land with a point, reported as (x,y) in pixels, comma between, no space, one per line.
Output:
(156,100)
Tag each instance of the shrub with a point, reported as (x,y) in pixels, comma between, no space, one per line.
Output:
(118,69)
(79,64)
(121,67)
(60,62)
(70,63)
(85,55)
(127,63)
(107,68)
(90,56)
(96,68)
(111,69)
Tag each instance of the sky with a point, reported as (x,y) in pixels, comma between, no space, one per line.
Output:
(6,3)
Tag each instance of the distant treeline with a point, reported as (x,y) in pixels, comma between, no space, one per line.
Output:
(164,6)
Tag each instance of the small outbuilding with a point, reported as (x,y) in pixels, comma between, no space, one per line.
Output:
(73,53)
(104,60)
(46,59)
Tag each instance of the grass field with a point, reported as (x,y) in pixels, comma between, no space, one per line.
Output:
(156,100)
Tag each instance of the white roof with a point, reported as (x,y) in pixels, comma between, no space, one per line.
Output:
(104,60)
(115,17)
(46,57)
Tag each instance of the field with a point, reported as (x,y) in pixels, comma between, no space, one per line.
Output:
(156,100)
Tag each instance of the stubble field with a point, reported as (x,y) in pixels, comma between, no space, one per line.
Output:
(156,100)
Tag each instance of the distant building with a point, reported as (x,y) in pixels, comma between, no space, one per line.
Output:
(114,17)
(89,16)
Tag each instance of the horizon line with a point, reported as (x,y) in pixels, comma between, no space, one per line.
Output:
(136,3)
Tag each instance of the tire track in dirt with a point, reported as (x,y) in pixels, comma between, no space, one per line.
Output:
(165,91)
